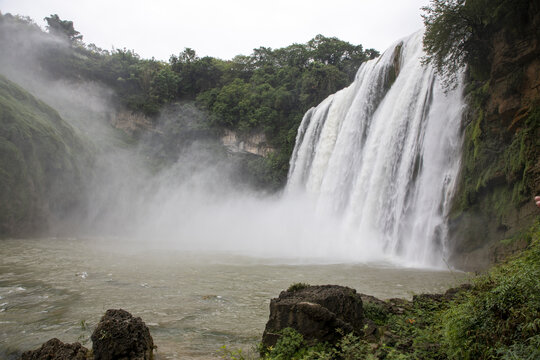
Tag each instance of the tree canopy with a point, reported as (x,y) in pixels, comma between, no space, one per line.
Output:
(60,27)
(459,33)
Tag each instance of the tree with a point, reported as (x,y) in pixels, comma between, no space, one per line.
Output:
(341,54)
(195,74)
(318,82)
(63,28)
(165,85)
(448,39)
(460,33)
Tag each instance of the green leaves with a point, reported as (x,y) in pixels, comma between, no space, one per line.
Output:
(447,36)
(501,315)
(165,85)
(460,33)
(62,28)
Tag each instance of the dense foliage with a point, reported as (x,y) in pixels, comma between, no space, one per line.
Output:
(267,91)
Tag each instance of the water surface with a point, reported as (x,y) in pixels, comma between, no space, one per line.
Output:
(193,303)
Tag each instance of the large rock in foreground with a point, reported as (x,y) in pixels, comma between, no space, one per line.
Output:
(320,313)
(119,335)
(54,349)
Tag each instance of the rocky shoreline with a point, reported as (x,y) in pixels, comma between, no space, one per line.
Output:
(321,314)
(118,335)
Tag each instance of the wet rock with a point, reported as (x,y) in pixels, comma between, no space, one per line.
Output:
(54,349)
(119,335)
(320,313)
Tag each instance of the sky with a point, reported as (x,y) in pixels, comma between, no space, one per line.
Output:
(223,29)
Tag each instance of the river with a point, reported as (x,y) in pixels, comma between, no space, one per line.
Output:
(193,303)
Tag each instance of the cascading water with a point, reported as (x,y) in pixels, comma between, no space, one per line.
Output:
(383,156)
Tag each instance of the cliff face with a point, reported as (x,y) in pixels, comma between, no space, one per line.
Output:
(501,160)
(254,143)
(131,123)
(41,163)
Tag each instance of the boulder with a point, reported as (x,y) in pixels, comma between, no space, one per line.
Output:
(119,335)
(54,349)
(320,313)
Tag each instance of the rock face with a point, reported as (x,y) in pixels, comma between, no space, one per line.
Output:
(119,335)
(319,313)
(131,122)
(54,349)
(255,143)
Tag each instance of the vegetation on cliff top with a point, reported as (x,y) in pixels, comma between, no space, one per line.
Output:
(267,91)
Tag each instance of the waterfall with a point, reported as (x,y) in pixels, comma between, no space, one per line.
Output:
(383,156)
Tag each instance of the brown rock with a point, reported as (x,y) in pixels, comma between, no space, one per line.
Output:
(320,313)
(119,335)
(427,297)
(54,349)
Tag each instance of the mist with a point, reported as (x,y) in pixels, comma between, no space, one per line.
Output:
(194,199)
(171,183)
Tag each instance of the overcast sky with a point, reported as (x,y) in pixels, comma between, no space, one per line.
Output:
(224,28)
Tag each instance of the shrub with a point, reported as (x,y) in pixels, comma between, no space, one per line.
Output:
(501,316)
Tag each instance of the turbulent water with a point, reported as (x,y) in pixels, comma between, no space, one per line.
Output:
(193,303)
(383,156)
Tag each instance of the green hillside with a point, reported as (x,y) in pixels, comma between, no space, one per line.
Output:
(40,175)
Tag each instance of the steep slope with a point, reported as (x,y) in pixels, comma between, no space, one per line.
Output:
(41,163)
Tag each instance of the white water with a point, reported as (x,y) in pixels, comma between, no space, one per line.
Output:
(384,160)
